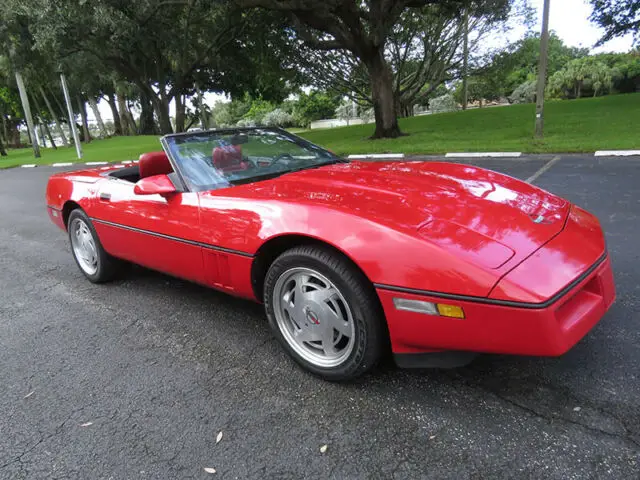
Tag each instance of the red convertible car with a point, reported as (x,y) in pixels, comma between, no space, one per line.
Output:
(436,261)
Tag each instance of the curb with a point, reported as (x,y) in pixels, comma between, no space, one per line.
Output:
(388,156)
(69,164)
(484,155)
(616,153)
(365,156)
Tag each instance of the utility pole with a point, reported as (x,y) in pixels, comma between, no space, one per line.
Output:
(465,66)
(542,71)
(72,121)
(27,113)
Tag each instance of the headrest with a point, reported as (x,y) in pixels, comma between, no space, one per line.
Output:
(228,158)
(154,163)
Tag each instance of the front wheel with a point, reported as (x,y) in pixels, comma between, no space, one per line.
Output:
(324,312)
(94,262)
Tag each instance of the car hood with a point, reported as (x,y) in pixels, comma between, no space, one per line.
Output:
(490,218)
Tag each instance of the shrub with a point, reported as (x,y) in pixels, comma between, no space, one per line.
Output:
(278,118)
(524,93)
(443,103)
(246,122)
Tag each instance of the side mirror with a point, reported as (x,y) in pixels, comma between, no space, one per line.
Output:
(155,185)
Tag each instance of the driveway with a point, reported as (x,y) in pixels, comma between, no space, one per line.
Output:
(136,379)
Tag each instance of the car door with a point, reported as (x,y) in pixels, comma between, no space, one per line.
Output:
(156,231)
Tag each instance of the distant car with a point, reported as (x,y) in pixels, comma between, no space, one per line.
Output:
(194,129)
(437,261)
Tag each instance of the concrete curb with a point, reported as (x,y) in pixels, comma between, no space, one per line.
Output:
(388,156)
(365,156)
(616,153)
(484,155)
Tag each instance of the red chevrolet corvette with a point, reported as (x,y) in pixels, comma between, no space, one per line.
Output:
(439,261)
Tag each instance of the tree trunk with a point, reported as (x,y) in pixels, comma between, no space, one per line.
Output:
(51,139)
(5,132)
(382,95)
(117,125)
(96,112)
(83,114)
(61,108)
(161,106)
(147,123)
(54,118)
(132,120)
(41,134)
(3,152)
(27,114)
(122,108)
(180,113)
(204,122)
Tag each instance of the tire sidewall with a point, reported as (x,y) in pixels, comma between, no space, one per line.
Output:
(100,273)
(357,361)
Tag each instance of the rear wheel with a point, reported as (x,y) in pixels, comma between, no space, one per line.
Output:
(324,312)
(94,262)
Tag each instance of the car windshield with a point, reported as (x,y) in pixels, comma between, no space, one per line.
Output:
(221,158)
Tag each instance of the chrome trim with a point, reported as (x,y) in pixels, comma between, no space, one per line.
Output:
(492,301)
(177,239)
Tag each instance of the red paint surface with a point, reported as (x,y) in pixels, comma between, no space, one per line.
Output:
(428,226)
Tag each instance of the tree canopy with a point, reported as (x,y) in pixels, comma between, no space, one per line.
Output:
(361,31)
(617,17)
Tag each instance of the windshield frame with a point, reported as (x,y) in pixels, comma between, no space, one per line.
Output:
(331,157)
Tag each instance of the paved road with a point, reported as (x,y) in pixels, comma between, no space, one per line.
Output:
(135,379)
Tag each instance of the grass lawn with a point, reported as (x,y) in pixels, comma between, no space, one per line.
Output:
(585,125)
(111,150)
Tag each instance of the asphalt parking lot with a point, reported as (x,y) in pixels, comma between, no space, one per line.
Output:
(135,379)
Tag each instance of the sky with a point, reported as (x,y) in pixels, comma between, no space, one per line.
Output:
(569,19)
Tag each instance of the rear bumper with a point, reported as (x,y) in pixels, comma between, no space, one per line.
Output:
(548,329)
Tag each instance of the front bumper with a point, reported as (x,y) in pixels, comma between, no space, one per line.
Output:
(548,329)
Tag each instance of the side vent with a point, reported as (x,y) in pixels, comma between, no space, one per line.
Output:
(216,266)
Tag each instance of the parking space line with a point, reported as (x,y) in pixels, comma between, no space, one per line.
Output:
(546,167)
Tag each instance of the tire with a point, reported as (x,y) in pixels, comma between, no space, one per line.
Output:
(94,262)
(324,312)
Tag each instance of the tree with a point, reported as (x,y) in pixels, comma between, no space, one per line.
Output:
(582,75)
(363,29)
(424,50)
(345,111)
(616,17)
(313,106)
(518,64)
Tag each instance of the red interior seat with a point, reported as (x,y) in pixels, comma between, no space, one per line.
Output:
(154,163)
(229,158)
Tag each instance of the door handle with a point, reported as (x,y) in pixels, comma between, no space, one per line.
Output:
(105,196)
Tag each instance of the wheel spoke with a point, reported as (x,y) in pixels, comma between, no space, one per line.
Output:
(327,340)
(321,296)
(336,321)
